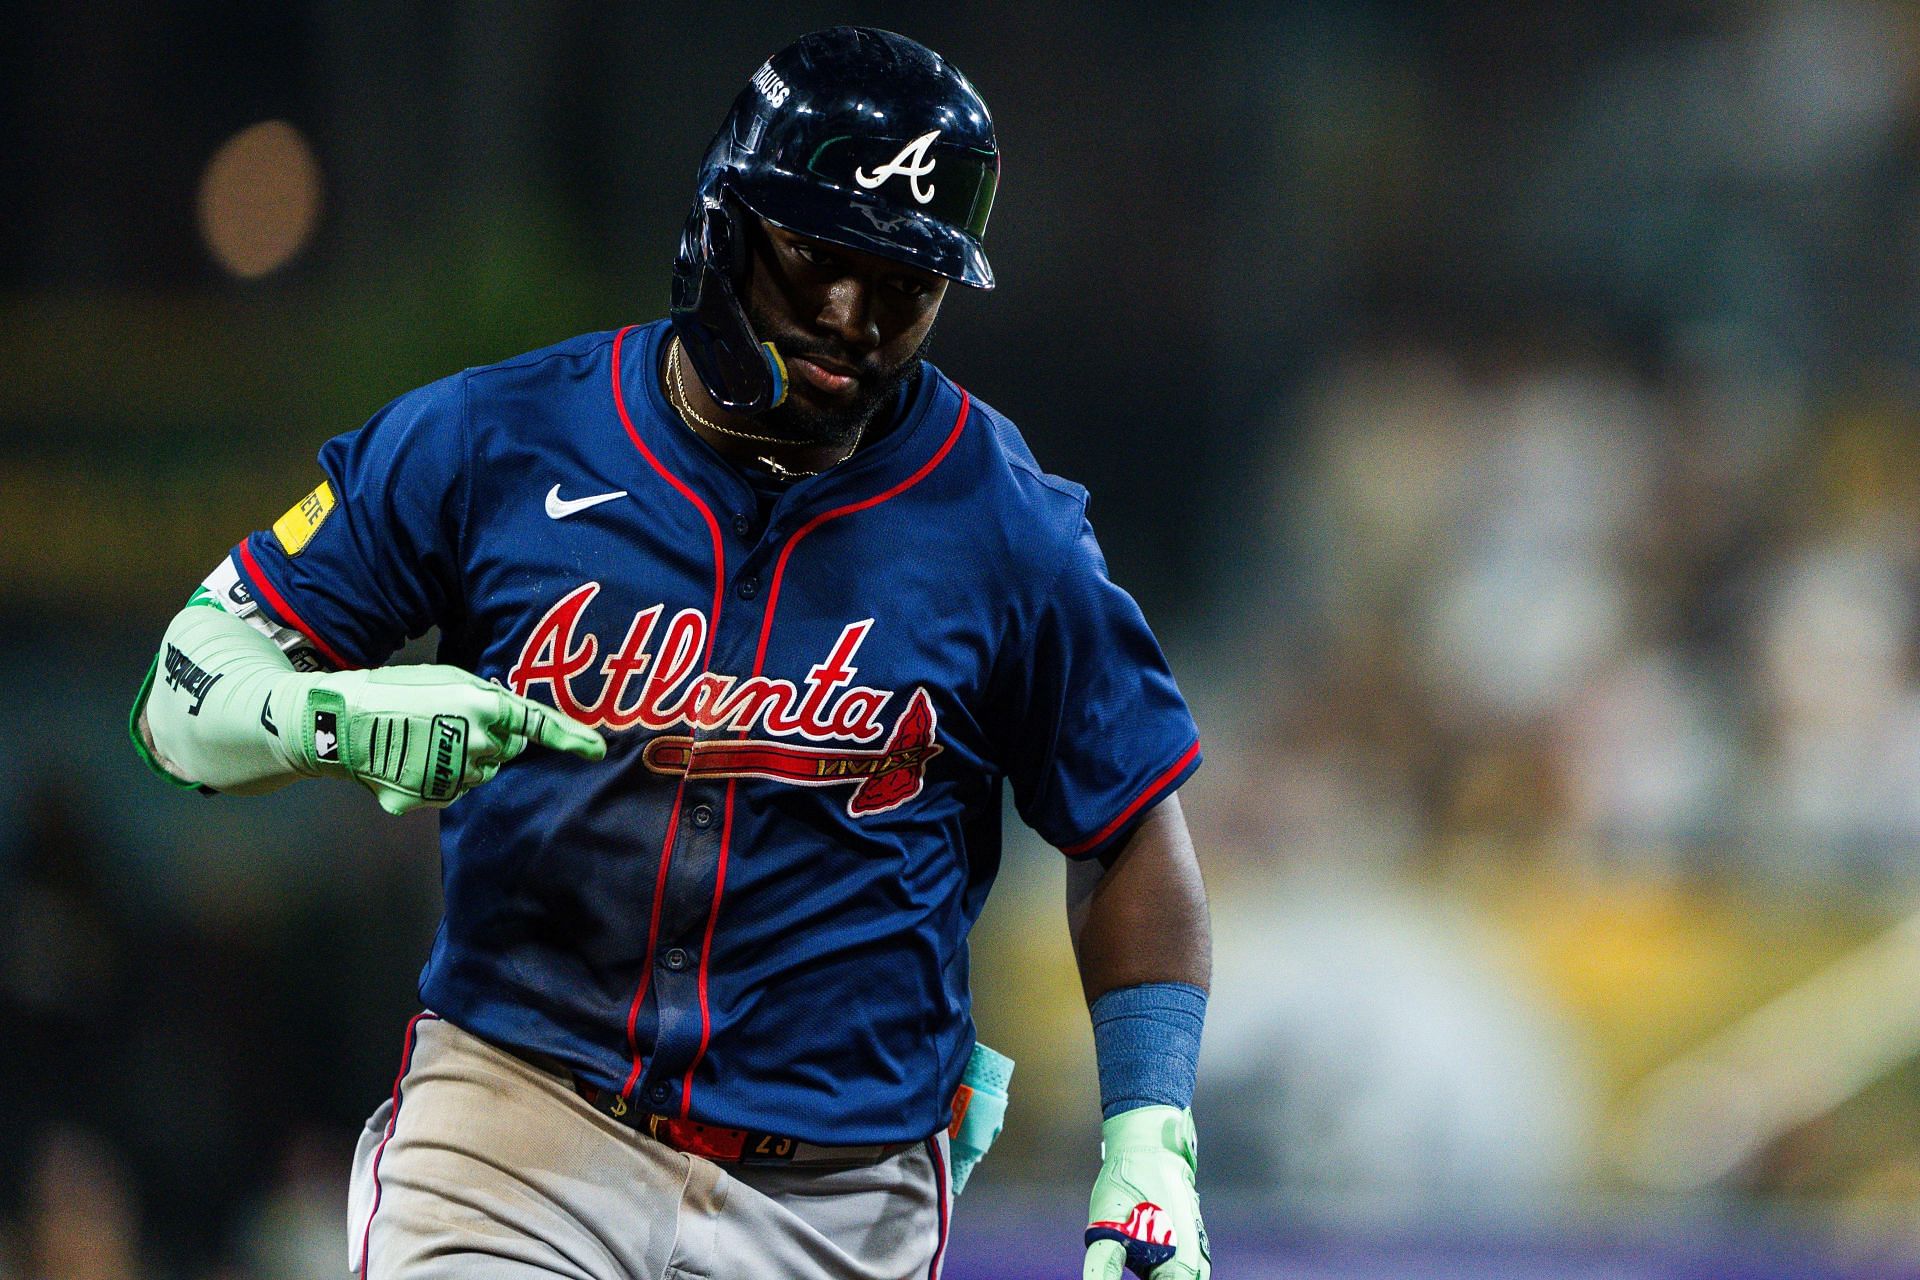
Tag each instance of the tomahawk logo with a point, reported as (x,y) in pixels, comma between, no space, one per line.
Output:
(885,779)
(922,165)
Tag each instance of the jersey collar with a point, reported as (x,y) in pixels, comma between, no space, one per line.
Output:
(691,460)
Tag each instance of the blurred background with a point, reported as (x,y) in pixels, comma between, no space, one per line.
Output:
(1507,413)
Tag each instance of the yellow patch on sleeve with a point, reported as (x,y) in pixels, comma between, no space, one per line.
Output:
(296,528)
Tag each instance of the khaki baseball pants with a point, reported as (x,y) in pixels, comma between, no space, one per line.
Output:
(496,1169)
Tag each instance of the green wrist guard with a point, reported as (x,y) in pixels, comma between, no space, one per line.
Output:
(981,1110)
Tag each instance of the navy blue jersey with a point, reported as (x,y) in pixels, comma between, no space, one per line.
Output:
(755,911)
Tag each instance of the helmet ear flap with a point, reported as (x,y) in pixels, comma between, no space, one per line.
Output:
(743,374)
(726,237)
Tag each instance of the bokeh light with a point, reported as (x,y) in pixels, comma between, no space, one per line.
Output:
(260,199)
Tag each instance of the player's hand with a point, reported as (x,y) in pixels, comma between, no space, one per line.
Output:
(1145,1216)
(418,735)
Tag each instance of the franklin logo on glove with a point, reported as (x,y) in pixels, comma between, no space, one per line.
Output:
(449,757)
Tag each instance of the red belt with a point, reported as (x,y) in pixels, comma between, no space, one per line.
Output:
(717,1142)
(731,1146)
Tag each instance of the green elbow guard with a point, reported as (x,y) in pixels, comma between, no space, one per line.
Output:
(203,716)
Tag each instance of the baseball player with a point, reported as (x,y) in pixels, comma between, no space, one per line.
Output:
(745,617)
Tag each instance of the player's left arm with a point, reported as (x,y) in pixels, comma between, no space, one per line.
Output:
(1138,919)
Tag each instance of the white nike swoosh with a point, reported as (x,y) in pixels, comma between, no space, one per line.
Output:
(559,507)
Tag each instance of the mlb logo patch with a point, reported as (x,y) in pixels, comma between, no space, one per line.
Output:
(326,737)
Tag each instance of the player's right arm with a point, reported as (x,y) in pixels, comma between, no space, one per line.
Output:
(223,707)
(273,670)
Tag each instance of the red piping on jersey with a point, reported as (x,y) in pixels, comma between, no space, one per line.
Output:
(680,487)
(278,603)
(759,661)
(706,948)
(780,566)
(1139,802)
(940,1187)
(393,1119)
(706,662)
(653,937)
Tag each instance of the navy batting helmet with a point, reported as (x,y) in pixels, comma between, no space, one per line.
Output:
(857,137)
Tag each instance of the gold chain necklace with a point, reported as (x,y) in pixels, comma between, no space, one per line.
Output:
(690,415)
(687,411)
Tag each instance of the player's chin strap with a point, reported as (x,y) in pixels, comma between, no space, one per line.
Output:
(742,373)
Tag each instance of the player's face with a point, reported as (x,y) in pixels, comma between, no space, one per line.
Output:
(850,326)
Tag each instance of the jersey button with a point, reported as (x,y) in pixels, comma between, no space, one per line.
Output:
(657,1094)
(748,588)
(675,959)
(742,525)
(702,816)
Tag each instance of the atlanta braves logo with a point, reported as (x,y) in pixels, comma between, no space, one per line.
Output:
(824,707)
(922,165)
(886,779)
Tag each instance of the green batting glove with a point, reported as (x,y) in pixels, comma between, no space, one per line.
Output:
(417,735)
(1145,1215)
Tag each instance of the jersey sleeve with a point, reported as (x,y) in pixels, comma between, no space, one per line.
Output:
(370,557)
(1100,733)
